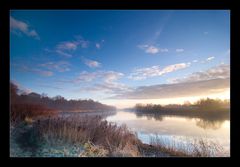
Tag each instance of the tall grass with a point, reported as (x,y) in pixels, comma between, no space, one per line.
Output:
(199,147)
(88,129)
(20,112)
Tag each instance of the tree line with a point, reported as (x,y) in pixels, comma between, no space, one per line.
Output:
(200,105)
(33,104)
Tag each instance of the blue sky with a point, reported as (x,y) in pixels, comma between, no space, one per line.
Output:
(119,54)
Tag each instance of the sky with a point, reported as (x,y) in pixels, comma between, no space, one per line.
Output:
(122,57)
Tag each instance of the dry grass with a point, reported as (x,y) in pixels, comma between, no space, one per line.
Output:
(85,129)
(21,112)
(91,150)
(191,148)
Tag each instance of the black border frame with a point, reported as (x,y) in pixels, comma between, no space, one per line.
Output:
(119,5)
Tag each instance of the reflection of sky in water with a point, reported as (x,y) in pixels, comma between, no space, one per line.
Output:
(174,127)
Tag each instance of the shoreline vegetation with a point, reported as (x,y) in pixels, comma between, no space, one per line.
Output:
(207,109)
(38,130)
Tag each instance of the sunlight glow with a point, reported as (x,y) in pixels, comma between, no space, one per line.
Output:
(122,103)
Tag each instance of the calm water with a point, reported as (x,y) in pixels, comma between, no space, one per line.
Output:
(175,128)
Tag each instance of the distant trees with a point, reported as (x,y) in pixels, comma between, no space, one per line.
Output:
(31,104)
(22,108)
(13,93)
(212,103)
(148,107)
(207,109)
(200,105)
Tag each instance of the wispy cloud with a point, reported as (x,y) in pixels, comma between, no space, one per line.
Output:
(195,61)
(60,66)
(207,60)
(179,50)
(106,76)
(67,45)
(210,58)
(92,63)
(18,26)
(103,81)
(160,28)
(63,53)
(143,73)
(24,68)
(44,73)
(214,80)
(152,49)
(66,48)
(98,45)
(198,88)
(221,71)
(113,88)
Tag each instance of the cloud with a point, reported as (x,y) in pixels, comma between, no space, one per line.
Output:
(163,50)
(195,61)
(98,45)
(210,58)
(24,68)
(207,60)
(179,50)
(92,63)
(143,73)
(221,71)
(86,77)
(67,47)
(176,90)
(105,76)
(104,81)
(152,49)
(42,72)
(61,66)
(113,88)
(64,53)
(213,80)
(22,27)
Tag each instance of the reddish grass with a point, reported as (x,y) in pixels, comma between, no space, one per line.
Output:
(19,112)
(83,129)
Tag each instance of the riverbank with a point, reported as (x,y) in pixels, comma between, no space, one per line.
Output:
(84,136)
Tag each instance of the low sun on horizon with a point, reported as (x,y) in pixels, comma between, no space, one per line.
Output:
(181,100)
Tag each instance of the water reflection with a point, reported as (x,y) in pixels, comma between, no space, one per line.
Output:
(213,122)
(172,126)
(206,124)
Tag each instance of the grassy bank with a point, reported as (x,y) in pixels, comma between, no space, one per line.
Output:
(90,136)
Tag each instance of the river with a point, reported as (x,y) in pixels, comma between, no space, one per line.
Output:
(175,128)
